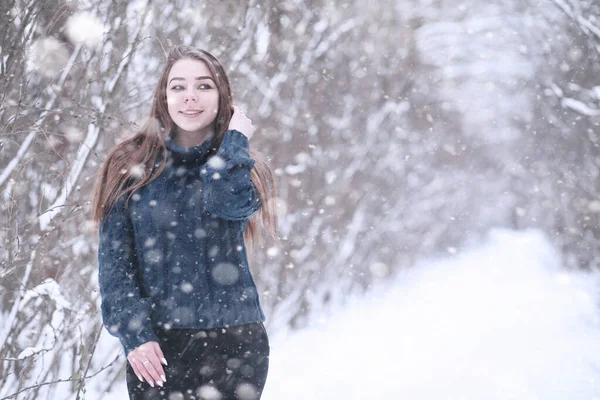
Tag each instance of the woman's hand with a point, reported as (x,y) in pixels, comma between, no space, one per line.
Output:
(241,123)
(146,363)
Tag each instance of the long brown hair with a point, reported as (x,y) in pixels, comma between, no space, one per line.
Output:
(130,165)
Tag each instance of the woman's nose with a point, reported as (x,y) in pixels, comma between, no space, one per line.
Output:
(190,96)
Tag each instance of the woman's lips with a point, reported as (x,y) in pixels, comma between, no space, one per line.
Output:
(190,113)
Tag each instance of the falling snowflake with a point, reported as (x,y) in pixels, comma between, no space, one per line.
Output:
(187,287)
(137,171)
(209,393)
(272,251)
(225,273)
(379,270)
(216,162)
(47,57)
(246,391)
(84,28)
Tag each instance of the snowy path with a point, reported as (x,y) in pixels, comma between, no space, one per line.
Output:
(502,321)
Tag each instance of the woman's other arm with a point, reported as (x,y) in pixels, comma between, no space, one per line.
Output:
(125,312)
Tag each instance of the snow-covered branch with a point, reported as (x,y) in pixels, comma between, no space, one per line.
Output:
(40,120)
(586,24)
(93,130)
(9,322)
(580,107)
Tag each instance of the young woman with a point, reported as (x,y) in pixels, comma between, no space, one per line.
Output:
(176,205)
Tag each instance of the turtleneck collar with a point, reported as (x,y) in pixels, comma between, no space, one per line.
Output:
(189,156)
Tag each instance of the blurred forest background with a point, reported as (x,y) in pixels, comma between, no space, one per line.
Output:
(398,130)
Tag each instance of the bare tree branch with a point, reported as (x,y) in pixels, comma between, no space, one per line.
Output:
(39,121)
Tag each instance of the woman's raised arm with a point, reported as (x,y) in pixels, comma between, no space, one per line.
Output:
(228,191)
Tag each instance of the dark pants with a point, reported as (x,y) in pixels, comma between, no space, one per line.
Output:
(218,363)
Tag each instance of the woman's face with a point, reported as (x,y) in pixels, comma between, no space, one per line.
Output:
(192,97)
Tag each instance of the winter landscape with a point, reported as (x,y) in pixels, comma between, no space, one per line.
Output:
(438,171)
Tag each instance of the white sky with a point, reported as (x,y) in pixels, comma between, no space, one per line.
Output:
(499,321)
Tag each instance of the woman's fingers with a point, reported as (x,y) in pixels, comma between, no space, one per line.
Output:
(143,372)
(159,353)
(136,370)
(146,362)
(135,365)
(154,369)
(239,121)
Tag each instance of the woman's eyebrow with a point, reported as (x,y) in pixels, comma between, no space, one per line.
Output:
(198,78)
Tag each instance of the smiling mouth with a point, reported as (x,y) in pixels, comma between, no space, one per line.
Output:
(191,113)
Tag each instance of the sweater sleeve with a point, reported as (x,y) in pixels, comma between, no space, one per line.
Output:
(228,191)
(125,312)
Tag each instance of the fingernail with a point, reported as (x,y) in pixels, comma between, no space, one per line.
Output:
(164,378)
(140,378)
(151,383)
(164,361)
(159,383)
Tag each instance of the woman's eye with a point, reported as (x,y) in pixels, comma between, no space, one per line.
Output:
(177,87)
(204,86)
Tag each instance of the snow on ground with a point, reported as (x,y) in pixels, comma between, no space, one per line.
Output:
(499,321)
(502,321)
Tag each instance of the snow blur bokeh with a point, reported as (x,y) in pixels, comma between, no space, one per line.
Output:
(225,274)
(216,162)
(47,57)
(85,28)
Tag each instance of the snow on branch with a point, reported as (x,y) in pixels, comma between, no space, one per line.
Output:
(586,25)
(328,43)
(92,135)
(38,123)
(80,160)
(8,323)
(580,107)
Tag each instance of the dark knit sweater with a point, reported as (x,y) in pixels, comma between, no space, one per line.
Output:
(174,256)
